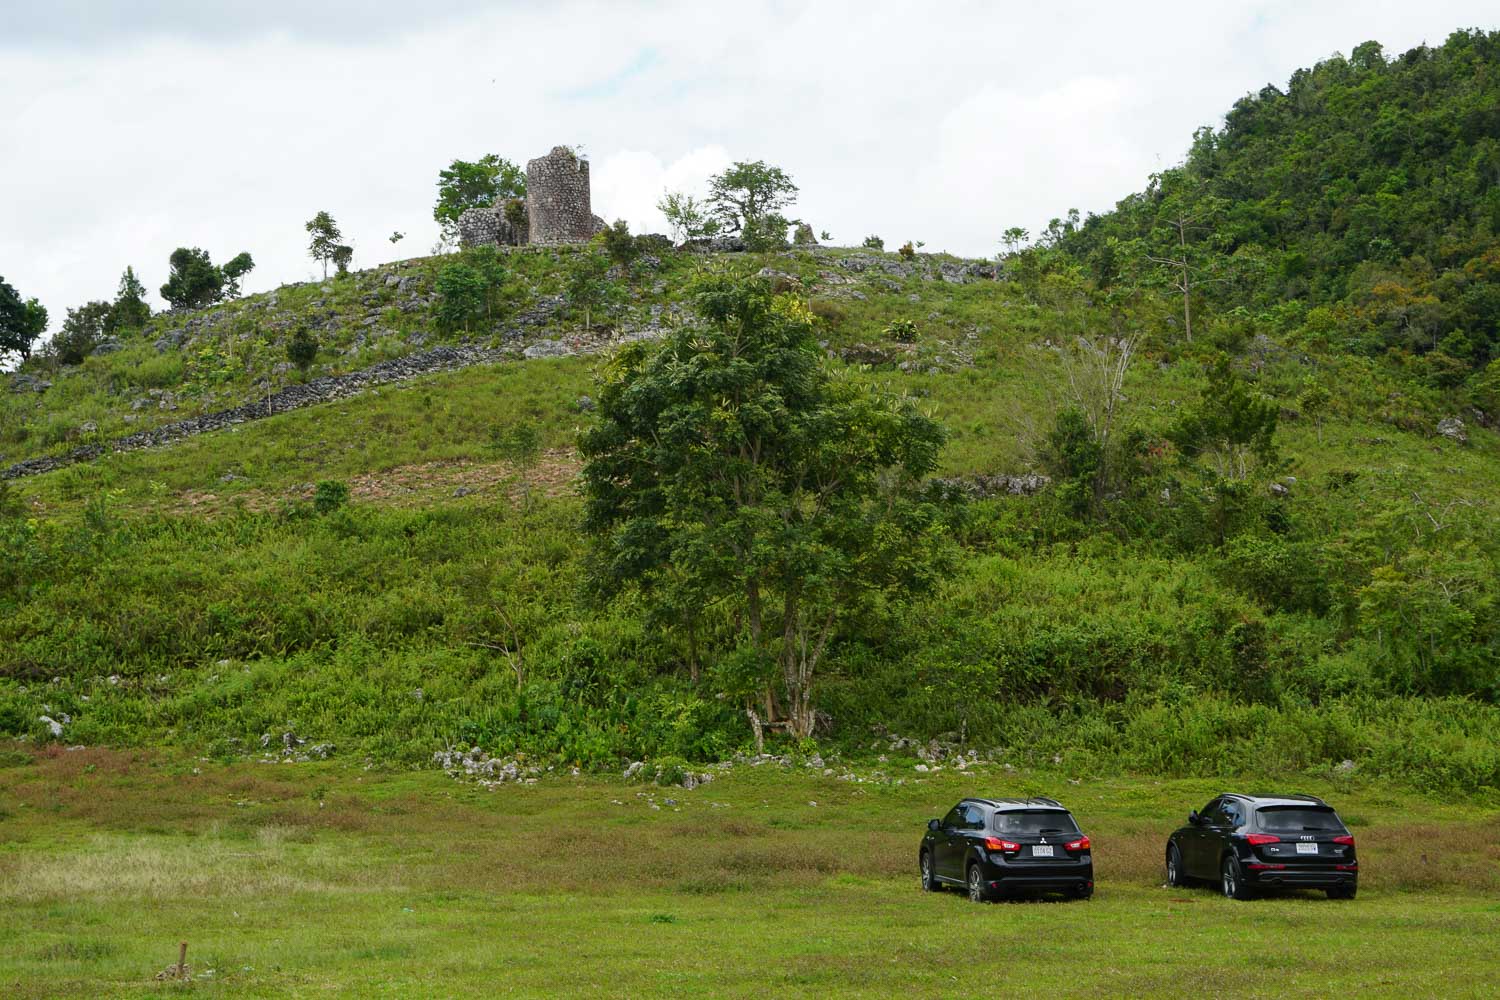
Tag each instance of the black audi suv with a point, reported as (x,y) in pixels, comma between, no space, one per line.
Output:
(1249,843)
(995,847)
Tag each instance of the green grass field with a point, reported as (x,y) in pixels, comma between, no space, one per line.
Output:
(326,880)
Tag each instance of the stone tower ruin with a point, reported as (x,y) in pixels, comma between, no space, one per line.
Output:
(556,208)
(557,198)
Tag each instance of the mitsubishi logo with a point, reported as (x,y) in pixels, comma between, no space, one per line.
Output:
(1044,840)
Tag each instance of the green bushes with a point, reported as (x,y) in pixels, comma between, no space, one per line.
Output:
(377,629)
(329,496)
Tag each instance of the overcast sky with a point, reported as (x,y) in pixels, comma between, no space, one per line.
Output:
(130,128)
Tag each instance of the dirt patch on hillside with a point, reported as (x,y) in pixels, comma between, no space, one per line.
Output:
(555,475)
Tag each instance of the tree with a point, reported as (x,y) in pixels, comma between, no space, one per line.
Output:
(873,243)
(302,349)
(519,446)
(1313,402)
(194,282)
(461,296)
(1186,262)
(490,264)
(621,247)
(479,184)
(342,255)
(748,197)
(238,266)
(588,287)
(1232,426)
(81,332)
(21,322)
(686,216)
(1082,446)
(130,311)
(326,239)
(1486,388)
(734,472)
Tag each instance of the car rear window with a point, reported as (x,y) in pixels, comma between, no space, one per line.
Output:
(1297,819)
(1034,821)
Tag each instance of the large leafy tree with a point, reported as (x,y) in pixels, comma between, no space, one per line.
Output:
(748,199)
(22,321)
(194,281)
(464,185)
(733,473)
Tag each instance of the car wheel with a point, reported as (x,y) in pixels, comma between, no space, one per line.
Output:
(1343,892)
(929,880)
(1175,877)
(978,893)
(1084,892)
(1232,880)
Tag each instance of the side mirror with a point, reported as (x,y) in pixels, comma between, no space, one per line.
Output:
(1194,819)
(933,825)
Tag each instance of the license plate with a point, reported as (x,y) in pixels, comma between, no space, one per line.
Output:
(1307,848)
(1042,851)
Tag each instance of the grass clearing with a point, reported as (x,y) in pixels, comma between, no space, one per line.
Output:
(288,880)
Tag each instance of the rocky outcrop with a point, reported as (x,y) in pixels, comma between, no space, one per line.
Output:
(1453,429)
(979,487)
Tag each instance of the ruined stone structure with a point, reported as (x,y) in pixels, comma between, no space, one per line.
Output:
(556,209)
(557,198)
(502,224)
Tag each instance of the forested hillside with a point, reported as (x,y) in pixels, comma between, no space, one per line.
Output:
(1357,208)
(1216,482)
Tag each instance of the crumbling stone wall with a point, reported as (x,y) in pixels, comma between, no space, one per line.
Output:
(557,198)
(501,224)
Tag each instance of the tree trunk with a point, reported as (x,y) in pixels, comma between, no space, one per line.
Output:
(1187,285)
(692,640)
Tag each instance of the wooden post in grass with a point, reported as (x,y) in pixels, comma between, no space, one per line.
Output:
(181,959)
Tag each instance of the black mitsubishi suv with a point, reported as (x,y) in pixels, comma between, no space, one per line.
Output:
(995,847)
(1248,843)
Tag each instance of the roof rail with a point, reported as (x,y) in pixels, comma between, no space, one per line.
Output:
(1045,799)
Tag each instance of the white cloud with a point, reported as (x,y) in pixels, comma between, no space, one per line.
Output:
(944,122)
(628,184)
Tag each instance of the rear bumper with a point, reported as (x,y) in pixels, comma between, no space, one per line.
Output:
(1290,878)
(1039,878)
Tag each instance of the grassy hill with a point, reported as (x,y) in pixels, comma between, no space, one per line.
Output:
(190,594)
(1331,610)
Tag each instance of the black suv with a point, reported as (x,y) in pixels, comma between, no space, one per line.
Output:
(1246,843)
(994,847)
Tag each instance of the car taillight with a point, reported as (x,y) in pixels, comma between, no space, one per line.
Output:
(1346,840)
(1081,844)
(996,844)
(1256,839)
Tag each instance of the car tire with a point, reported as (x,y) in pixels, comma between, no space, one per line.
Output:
(1232,879)
(978,891)
(1084,892)
(1175,876)
(1343,892)
(929,878)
